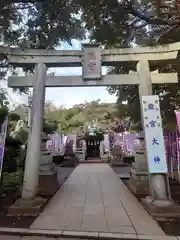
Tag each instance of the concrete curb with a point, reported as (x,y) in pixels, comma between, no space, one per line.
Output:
(81,235)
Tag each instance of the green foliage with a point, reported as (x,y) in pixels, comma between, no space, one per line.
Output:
(14,117)
(3,113)
(113,23)
(79,117)
(169,99)
(12,151)
(12,146)
(42,24)
(39,24)
(20,110)
(121,23)
(12,180)
(49,127)
(3,97)
(126,23)
(94,131)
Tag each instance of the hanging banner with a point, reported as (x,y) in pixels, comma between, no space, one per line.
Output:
(2,143)
(154,134)
(177,113)
(72,138)
(91,64)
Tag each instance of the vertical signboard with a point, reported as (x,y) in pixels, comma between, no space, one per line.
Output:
(91,64)
(2,143)
(154,135)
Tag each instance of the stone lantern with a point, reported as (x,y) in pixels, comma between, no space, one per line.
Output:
(48,183)
(140,154)
(46,160)
(139,180)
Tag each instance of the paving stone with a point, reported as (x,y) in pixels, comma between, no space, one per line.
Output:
(70,221)
(54,210)
(37,238)
(73,210)
(117,217)
(144,224)
(65,238)
(6,237)
(94,222)
(146,237)
(117,236)
(46,222)
(80,234)
(45,232)
(121,229)
(13,230)
(91,209)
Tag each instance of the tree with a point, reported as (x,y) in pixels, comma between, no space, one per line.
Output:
(113,23)
(126,23)
(80,116)
(44,22)
(4,111)
(37,24)
(49,127)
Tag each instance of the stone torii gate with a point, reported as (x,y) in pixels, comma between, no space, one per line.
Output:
(91,58)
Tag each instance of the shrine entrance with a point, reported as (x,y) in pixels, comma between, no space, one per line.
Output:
(93,149)
(91,58)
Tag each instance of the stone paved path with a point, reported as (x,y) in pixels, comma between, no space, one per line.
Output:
(94,199)
(5,237)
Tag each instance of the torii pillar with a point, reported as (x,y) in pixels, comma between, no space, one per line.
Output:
(29,199)
(31,174)
(145,89)
(159,202)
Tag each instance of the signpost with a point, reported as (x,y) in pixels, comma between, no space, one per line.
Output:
(154,135)
(2,144)
(91,65)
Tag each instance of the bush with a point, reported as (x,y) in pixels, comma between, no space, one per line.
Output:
(12,151)
(3,114)
(49,126)
(14,117)
(14,179)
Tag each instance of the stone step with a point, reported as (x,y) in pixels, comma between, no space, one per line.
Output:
(124,175)
(93,161)
(32,234)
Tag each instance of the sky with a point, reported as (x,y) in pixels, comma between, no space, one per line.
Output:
(66,97)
